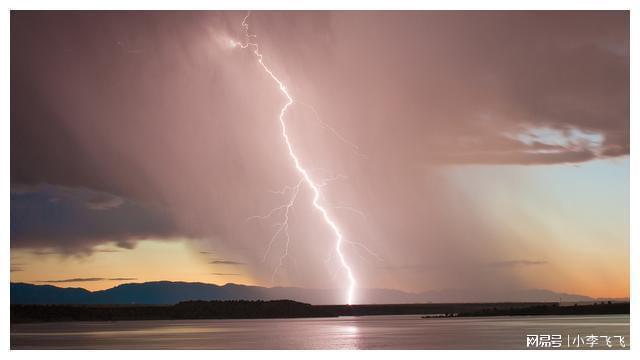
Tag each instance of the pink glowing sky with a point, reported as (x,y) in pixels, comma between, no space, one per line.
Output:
(492,148)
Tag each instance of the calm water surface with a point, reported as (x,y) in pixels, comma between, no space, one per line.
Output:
(365,332)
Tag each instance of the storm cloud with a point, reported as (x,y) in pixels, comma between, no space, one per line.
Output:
(64,220)
(160,129)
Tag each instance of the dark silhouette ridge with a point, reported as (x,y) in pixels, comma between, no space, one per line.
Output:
(168,293)
(602,308)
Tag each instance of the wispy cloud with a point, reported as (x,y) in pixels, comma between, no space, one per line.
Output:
(72,280)
(46,252)
(103,202)
(122,279)
(54,252)
(226,262)
(225,274)
(517,263)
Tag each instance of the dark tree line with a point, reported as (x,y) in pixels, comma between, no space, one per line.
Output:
(602,308)
(234,309)
(244,309)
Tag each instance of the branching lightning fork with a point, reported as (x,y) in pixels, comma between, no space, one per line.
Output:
(306,177)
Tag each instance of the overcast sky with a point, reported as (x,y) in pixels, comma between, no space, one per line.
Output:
(464,150)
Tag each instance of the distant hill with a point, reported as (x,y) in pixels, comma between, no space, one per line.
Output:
(168,292)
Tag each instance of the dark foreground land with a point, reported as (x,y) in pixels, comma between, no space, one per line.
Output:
(241,309)
(554,309)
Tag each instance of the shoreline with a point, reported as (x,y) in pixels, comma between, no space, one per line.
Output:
(287,309)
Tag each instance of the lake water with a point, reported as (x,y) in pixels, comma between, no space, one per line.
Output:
(365,332)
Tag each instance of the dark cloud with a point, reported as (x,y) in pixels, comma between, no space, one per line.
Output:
(482,74)
(69,226)
(472,78)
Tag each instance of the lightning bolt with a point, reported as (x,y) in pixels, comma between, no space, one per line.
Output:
(283,228)
(306,177)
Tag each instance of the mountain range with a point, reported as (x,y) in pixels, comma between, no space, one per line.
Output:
(168,292)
